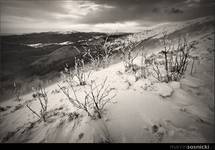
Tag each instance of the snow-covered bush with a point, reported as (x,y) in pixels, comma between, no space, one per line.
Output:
(96,61)
(99,96)
(78,76)
(95,98)
(67,73)
(107,52)
(102,56)
(128,57)
(40,94)
(175,60)
(74,100)
(143,68)
(157,71)
(80,72)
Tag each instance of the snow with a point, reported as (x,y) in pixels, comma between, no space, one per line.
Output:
(38,45)
(66,32)
(143,110)
(65,43)
(164,90)
(191,82)
(175,85)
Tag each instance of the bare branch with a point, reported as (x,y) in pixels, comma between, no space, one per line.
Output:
(41,95)
(33,111)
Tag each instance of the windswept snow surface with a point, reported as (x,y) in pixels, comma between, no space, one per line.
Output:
(142,111)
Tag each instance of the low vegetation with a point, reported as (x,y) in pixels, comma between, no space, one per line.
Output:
(40,95)
(128,57)
(80,72)
(174,60)
(95,97)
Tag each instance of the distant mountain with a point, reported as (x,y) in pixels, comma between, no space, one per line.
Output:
(49,37)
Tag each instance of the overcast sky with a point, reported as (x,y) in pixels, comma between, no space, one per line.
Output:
(25,16)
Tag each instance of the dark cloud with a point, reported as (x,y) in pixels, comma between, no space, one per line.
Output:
(176,11)
(34,9)
(148,10)
(48,14)
(155,10)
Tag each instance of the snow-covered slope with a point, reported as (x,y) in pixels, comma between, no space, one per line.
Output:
(169,28)
(142,111)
